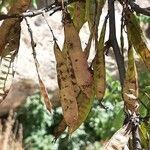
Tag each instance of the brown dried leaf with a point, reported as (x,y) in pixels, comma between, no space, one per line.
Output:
(18,7)
(84,106)
(67,94)
(7,57)
(44,93)
(78,58)
(71,72)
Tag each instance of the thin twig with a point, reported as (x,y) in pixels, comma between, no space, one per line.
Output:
(54,7)
(138,9)
(136,138)
(54,38)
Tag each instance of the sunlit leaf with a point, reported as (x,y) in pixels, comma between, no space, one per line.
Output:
(120,139)
(34,3)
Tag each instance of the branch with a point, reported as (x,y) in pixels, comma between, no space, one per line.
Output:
(138,9)
(112,42)
(136,137)
(134,120)
(54,7)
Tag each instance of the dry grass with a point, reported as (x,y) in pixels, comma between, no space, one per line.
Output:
(10,133)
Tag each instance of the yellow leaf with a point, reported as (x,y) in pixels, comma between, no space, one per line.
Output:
(99,67)
(130,87)
(78,14)
(91,6)
(137,38)
(93,13)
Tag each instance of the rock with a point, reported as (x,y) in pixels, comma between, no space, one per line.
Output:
(18,93)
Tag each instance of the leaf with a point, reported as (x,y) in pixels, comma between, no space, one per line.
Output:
(7,57)
(130,87)
(144,135)
(72,45)
(99,7)
(93,13)
(99,67)
(67,94)
(12,47)
(34,3)
(84,106)
(137,38)
(91,9)
(71,71)
(18,7)
(120,139)
(60,128)
(78,14)
(42,87)
(44,93)
(88,46)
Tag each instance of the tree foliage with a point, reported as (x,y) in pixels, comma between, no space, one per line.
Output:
(80,84)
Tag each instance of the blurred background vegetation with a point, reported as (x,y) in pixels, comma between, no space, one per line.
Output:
(100,125)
